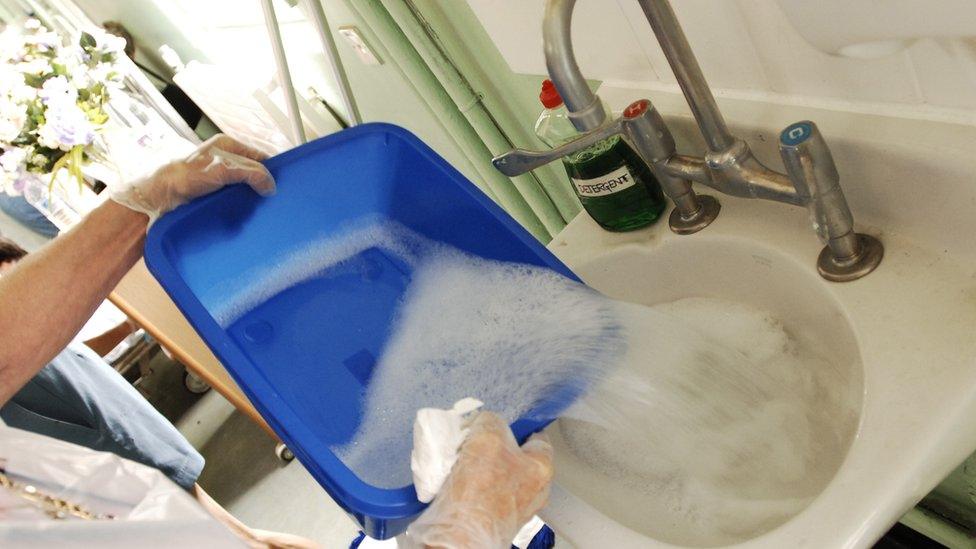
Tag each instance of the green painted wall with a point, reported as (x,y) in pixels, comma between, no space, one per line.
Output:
(512,99)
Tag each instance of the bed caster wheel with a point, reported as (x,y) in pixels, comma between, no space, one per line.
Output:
(194,383)
(283,453)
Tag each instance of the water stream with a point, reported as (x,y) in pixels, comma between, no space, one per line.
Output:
(699,421)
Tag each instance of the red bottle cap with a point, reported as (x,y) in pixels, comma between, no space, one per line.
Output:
(549,95)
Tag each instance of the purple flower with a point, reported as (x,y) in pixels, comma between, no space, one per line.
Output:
(13,172)
(20,184)
(13,159)
(65,126)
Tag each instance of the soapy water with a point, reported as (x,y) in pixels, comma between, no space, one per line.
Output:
(699,421)
(475,328)
(465,327)
(745,424)
(231,299)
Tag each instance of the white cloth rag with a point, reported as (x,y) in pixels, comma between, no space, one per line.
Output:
(437,438)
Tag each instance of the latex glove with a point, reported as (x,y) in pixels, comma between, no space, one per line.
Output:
(219,161)
(494,488)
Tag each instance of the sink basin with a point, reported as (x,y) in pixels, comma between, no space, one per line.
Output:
(742,462)
(831,455)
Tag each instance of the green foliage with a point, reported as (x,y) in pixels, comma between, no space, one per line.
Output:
(87,42)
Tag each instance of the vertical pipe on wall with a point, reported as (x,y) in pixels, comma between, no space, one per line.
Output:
(321,24)
(378,20)
(469,102)
(284,75)
(510,99)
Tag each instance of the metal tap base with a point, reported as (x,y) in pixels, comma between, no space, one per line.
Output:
(868,258)
(697,221)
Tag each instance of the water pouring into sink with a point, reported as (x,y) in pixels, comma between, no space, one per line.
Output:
(738,433)
(700,421)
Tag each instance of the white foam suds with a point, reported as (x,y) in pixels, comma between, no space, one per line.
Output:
(705,423)
(506,334)
(465,327)
(232,299)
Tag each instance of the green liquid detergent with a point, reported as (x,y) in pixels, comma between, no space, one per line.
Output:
(613,184)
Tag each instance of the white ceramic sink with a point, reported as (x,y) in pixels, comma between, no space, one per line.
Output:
(896,411)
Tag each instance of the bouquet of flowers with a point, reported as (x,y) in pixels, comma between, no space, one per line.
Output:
(52,102)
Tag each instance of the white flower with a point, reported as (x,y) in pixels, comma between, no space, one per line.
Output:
(108,42)
(43,41)
(16,183)
(34,65)
(13,85)
(13,116)
(78,73)
(11,45)
(65,126)
(13,159)
(23,93)
(32,24)
(58,91)
(13,172)
(70,58)
(107,73)
(8,184)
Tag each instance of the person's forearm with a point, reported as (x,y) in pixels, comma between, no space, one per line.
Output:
(104,343)
(49,296)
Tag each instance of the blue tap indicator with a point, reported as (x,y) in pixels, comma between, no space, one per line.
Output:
(796,134)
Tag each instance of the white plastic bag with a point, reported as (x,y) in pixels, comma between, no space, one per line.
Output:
(149,509)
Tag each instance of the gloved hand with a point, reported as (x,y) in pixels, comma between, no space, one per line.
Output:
(219,161)
(494,488)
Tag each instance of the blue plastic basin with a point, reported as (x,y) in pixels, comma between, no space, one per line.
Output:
(304,357)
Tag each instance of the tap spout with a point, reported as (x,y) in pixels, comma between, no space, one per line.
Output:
(585,110)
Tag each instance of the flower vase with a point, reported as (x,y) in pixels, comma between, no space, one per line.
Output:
(40,194)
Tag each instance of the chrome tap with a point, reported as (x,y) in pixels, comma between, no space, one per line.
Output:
(729,165)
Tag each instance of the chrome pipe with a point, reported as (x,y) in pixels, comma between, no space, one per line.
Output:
(847,255)
(321,24)
(683,63)
(519,161)
(284,75)
(687,167)
(736,171)
(585,110)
